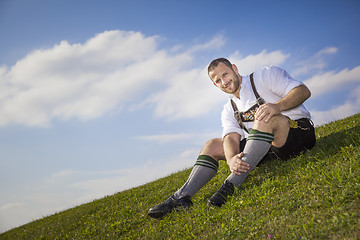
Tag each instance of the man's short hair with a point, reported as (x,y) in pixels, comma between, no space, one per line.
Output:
(216,62)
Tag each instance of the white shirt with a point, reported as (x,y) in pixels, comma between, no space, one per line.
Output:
(272,84)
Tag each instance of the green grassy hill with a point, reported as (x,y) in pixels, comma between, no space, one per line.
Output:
(313,196)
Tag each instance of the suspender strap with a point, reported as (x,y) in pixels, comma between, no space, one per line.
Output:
(259,99)
(237,116)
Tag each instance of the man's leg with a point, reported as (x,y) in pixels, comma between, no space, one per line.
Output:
(203,171)
(258,144)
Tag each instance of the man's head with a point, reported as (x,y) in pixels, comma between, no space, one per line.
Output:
(225,76)
(216,62)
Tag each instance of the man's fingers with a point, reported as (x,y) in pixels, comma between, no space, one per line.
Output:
(260,112)
(268,117)
(265,112)
(242,163)
(240,155)
(261,115)
(239,166)
(236,172)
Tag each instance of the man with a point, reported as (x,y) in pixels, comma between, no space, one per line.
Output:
(260,119)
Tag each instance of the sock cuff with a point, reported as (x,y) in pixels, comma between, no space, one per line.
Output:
(207,161)
(260,136)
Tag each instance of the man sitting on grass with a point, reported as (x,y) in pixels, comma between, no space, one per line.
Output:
(264,117)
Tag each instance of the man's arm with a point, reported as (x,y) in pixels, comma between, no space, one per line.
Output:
(233,155)
(294,98)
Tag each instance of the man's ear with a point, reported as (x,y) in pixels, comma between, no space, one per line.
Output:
(234,67)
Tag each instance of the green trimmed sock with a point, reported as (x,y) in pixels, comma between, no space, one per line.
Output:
(257,145)
(203,171)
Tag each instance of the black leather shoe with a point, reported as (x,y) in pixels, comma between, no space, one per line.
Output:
(219,198)
(169,205)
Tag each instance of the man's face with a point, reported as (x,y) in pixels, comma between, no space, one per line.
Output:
(226,78)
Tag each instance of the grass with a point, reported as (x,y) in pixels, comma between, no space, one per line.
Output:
(313,196)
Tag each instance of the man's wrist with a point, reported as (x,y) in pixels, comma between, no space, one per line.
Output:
(228,159)
(279,106)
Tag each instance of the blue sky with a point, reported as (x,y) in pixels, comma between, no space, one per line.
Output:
(100,96)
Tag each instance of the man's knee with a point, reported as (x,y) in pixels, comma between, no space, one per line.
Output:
(275,122)
(214,142)
(277,125)
(213,148)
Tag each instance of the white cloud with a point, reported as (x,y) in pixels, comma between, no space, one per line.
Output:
(251,63)
(215,43)
(190,94)
(336,113)
(194,137)
(10,206)
(314,64)
(356,95)
(164,138)
(63,173)
(329,81)
(350,107)
(328,50)
(83,81)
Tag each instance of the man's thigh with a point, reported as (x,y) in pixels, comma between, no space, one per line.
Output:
(301,137)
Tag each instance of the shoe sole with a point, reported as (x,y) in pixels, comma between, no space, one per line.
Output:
(155,214)
(214,204)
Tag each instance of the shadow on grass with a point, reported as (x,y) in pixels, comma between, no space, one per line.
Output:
(333,143)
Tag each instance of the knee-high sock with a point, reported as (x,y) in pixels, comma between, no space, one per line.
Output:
(257,145)
(203,171)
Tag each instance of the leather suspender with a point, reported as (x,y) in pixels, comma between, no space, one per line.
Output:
(259,99)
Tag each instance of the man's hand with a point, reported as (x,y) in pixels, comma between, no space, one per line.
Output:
(266,111)
(237,166)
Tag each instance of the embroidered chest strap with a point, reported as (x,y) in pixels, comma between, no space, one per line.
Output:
(237,116)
